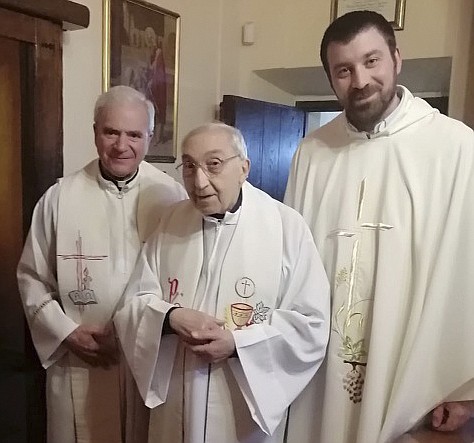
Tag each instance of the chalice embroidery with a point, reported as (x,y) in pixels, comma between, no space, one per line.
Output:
(245,315)
(241,314)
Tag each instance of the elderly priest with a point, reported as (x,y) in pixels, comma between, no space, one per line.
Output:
(225,320)
(86,233)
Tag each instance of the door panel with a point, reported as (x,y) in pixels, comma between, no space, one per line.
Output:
(272,133)
(11,238)
(30,161)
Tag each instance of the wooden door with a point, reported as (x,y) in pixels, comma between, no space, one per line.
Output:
(272,133)
(30,161)
(11,235)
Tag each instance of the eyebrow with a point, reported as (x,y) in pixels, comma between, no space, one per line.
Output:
(214,152)
(373,52)
(365,57)
(130,132)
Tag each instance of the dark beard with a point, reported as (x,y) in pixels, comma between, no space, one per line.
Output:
(365,117)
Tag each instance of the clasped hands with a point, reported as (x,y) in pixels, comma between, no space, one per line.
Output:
(451,416)
(202,334)
(96,345)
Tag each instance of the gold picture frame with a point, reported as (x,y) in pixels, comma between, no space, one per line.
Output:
(392,10)
(141,50)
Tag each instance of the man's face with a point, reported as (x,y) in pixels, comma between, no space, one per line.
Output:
(219,192)
(122,138)
(364,77)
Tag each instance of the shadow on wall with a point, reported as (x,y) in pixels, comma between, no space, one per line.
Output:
(469,104)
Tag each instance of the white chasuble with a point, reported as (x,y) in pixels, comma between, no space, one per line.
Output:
(241,270)
(390,215)
(95,232)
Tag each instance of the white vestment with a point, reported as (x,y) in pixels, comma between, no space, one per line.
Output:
(391,214)
(84,239)
(258,270)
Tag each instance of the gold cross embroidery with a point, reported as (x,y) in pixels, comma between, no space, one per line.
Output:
(374,226)
(353,348)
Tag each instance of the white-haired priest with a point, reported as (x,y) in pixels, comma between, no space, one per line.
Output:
(85,236)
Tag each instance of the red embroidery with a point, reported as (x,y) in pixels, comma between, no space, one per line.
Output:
(173,289)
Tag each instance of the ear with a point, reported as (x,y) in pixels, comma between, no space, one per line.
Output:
(94,126)
(245,170)
(148,141)
(398,60)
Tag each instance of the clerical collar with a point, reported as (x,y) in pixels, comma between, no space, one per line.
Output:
(234,208)
(118,183)
(381,125)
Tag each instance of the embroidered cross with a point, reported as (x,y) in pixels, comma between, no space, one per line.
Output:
(372,226)
(245,287)
(83,295)
(353,349)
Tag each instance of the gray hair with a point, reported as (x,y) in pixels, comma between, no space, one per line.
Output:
(124,94)
(237,140)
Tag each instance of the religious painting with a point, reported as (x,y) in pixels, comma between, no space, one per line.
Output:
(141,50)
(392,10)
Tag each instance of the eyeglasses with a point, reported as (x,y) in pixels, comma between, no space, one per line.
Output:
(211,167)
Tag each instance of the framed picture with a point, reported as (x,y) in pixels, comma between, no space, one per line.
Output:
(141,50)
(392,10)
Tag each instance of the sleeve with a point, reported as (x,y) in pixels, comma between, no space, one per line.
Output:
(289,197)
(181,193)
(37,282)
(139,324)
(296,185)
(279,358)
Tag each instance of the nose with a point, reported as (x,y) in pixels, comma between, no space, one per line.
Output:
(201,180)
(360,78)
(121,142)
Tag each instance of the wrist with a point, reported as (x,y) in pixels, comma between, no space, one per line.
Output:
(167,323)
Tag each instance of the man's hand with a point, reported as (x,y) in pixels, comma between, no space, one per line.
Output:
(187,322)
(218,345)
(452,415)
(95,345)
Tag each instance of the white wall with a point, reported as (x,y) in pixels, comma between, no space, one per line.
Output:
(82,83)
(199,72)
(213,61)
(288,35)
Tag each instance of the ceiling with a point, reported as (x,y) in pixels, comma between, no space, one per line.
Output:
(429,76)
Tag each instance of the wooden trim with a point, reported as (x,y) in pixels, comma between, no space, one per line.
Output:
(440,103)
(42,134)
(48,106)
(319,106)
(68,14)
(17,26)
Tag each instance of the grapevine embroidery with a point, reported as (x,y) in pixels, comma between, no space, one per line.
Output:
(353,381)
(353,352)
(260,312)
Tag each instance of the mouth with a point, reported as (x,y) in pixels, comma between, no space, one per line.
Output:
(203,197)
(363,98)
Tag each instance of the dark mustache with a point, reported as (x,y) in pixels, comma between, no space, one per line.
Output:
(358,94)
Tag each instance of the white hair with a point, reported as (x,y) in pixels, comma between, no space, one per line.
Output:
(236,138)
(124,94)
